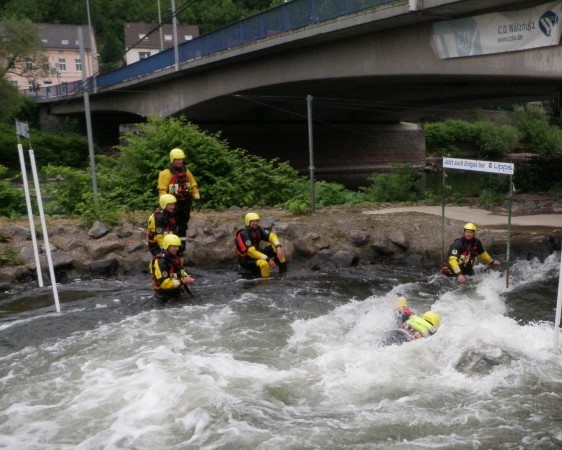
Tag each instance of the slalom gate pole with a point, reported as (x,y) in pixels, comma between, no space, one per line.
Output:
(30,215)
(45,233)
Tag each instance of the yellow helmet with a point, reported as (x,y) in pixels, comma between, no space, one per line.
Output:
(171,239)
(166,199)
(471,227)
(176,153)
(401,302)
(249,217)
(433,318)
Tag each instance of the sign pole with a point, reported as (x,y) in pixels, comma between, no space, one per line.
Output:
(311,152)
(508,257)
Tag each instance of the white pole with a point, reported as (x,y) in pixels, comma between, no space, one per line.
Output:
(30,216)
(44,228)
(558,306)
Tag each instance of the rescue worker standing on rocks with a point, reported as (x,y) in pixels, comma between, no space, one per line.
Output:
(177,180)
(250,256)
(169,278)
(161,223)
(463,253)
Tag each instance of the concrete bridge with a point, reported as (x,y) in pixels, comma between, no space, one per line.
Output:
(367,72)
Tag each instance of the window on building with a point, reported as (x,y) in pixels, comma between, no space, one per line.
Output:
(144,55)
(28,64)
(14,83)
(142,36)
(187,37)
(78,63)
(64,42)
(62,64)
(167,37)
(45,41)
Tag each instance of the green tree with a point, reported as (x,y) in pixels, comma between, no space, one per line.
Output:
(20,53)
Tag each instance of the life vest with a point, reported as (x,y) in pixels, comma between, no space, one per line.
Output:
(167,226)
(172,269)
(416,323)
(179,183)
(470,252)
(249,237)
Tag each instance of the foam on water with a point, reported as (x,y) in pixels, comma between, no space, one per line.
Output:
(249,373)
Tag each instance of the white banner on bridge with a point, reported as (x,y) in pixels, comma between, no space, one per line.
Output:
(498,32)
(479,166)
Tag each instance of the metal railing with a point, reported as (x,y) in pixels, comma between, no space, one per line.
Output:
(290,16)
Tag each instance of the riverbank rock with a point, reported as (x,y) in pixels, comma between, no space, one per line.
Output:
(332,238)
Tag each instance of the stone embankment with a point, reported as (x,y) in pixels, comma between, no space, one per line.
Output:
(329,239)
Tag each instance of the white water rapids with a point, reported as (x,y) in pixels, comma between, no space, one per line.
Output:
(286,364)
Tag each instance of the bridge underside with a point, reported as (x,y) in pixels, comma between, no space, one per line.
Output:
(374,99)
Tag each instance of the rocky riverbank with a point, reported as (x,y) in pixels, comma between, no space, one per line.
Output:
(333,237)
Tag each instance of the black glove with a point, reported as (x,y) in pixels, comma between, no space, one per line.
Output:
(197,205)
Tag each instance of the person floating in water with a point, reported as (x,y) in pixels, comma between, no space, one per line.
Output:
(463,253)
(411,326)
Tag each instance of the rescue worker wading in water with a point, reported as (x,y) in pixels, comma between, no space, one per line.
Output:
(463,253)
(168,274)
(161,223)
(250,256)
(177,180)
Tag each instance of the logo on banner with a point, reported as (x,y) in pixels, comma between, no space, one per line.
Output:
(547,22)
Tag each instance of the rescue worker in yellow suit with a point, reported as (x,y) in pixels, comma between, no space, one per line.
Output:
(463,253)
(177,180)
(160,223)
(424,326)
(251,256)
(410,325)
(168,274)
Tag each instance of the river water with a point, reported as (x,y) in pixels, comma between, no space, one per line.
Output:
(292,363)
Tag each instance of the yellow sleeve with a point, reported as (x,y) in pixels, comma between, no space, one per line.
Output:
(273,239)
(485,256)
(193,184)
(159,238)
(164,181)
(167,283)
(454,264)
(255,254)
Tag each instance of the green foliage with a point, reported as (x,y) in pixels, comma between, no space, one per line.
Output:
(12,200)
(9,257)
(536,130)
(226,177)
(65,150)
(399,186)
(67,192)
(325,194)
(489,197)
(496,139)
(10,100)
(450,132)
(490,138)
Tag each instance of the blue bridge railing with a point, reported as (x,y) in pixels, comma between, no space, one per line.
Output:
(289,16)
